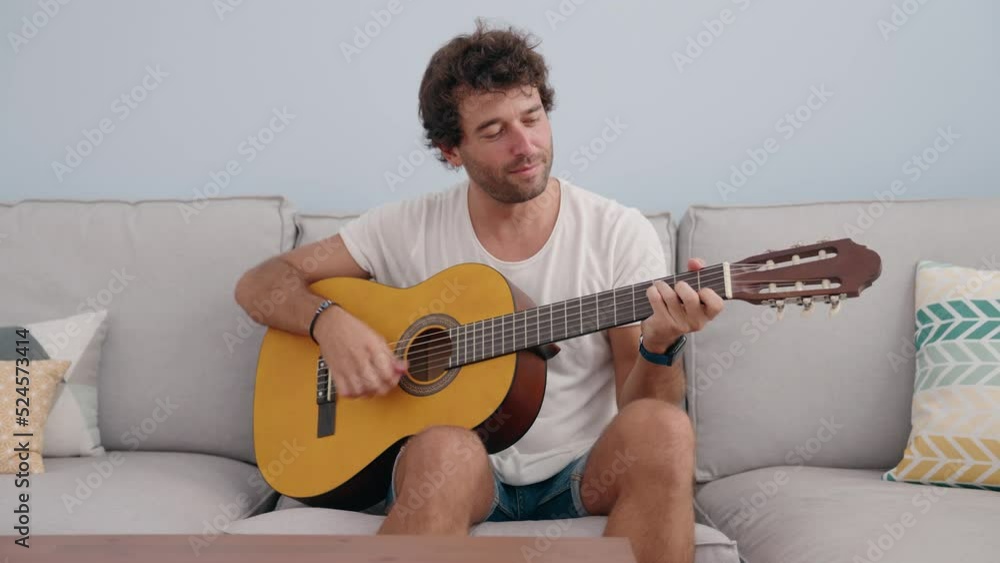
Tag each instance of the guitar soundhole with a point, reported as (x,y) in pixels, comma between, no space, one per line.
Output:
(426,345)
(429,354)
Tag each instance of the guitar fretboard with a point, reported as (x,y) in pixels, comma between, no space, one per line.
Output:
(506,334)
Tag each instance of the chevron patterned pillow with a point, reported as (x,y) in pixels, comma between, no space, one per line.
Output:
(955,440)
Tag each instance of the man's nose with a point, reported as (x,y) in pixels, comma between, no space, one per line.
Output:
(520,141)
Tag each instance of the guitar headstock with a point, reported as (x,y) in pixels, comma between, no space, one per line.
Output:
(829,271)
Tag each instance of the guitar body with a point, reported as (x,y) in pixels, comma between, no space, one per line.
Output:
(348,465)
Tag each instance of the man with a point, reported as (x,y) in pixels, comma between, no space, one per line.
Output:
(610,438)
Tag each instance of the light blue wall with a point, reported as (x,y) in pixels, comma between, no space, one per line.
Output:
(686,124)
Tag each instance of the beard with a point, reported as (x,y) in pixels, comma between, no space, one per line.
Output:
(504,186)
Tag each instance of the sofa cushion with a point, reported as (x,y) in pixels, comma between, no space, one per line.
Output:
(139,493)
(800,514)
(710,545)
(822,391)
(166,271)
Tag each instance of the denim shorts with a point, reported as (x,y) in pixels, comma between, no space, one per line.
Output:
(554,498)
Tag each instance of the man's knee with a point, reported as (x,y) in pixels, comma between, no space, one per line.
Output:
(443,453)
(445,443)
(444,467)
(657,435)
(658,421)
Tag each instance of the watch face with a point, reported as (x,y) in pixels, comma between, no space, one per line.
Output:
(676,347)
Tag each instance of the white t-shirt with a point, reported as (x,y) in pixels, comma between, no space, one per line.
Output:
(597,244)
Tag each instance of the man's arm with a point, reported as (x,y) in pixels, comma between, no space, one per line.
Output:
(676,311)
(276,291)
(636,378)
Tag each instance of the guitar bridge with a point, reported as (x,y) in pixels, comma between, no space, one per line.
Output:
(326,400)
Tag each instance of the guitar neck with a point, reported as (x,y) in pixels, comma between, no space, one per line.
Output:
(546,324)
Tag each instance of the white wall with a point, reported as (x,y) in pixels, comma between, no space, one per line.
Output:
(687,124)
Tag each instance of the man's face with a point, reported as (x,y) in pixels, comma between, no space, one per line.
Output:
(507,143)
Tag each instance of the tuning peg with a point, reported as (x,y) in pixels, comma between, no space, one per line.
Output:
(807,304)
(834,305)
(779,306)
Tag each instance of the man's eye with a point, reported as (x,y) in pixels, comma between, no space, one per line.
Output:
(494,135)
(531,121)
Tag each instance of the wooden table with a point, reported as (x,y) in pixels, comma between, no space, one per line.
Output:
(318,549)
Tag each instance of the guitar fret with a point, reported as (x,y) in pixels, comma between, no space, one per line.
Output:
(527,328)
(634,287)
(524,329)
(538,327)
(513,334)
(597,312)
(566,319)
(505,333)
(551,335)
(513,330)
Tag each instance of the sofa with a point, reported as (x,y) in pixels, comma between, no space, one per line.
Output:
(794,425)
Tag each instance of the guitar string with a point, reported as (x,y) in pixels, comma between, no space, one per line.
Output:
(450,344)
(446,345)
(453,345)
(447,350)
(618,293)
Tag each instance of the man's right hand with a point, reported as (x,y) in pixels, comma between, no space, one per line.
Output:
(358,358)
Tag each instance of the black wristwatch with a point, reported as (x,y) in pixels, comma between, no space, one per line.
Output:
(666,358)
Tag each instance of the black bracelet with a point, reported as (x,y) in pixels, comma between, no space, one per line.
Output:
(322,307)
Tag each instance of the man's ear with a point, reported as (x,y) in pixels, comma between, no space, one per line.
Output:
(451,155)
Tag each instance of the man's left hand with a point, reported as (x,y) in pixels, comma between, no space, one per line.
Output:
(678,311)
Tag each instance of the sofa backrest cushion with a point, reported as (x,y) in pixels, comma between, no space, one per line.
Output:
(819,391)
(177,369)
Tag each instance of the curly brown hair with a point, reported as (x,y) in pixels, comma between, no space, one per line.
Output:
(488,60)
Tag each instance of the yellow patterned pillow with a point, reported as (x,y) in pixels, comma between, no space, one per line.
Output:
(955,439)
(25,401)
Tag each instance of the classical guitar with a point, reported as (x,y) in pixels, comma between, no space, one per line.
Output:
(476,359)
